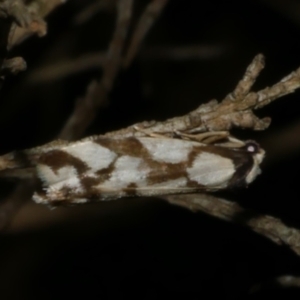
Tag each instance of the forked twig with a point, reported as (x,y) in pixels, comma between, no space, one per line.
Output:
(235,110)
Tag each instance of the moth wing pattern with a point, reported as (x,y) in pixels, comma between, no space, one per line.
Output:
(105,168)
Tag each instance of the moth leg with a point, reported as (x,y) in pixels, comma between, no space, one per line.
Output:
(205,137)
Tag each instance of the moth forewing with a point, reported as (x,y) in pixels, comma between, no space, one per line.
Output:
(102,168)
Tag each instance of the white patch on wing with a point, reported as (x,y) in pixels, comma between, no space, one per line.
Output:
(127,169)
(49,177)
(53,182)
(211,170)
(167,150)
(94,155)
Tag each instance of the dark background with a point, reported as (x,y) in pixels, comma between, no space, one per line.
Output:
(146,248)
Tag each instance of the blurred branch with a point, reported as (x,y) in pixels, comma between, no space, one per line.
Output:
(13,66)
(17,10)
(288,281)
(288,8)
(267,226)
(148,18)
(38,9)
(183,53)
(284,281)
(11,11)
(86,108)
(5,26)
(60,70)
(92,9)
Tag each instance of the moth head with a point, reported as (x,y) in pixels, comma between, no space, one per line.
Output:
(258,155)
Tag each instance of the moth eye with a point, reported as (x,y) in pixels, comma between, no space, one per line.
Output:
(252,147)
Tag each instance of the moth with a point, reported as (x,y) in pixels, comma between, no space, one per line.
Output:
(106,168)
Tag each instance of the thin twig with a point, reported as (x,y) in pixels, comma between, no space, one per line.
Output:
(244,86)
(270,227)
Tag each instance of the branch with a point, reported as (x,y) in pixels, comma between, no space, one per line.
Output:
(235,110)
(267,226)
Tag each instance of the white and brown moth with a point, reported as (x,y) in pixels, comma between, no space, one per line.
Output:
(106,168)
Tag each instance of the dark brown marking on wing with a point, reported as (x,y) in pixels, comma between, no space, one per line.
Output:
(241,158)
(243,166)
(104,174)
(130,190)
(193,155)
(127,146)
(162,172)
(57,159)
(195,185)
(88,182)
